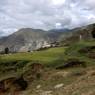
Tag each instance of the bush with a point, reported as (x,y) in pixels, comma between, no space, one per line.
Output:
(6,50)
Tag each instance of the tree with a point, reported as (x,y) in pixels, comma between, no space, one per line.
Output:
(93,34)
(6,50)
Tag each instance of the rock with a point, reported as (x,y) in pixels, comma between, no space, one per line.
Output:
(58,86)
(47,93)
(63,73)
(38,86)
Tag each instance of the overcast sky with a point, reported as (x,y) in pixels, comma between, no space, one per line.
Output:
(45,14)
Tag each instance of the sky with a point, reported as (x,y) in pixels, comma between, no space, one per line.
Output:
(45,14)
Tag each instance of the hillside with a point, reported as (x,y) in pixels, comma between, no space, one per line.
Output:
(78,34)
(64,70)
(27,39)
(55,71)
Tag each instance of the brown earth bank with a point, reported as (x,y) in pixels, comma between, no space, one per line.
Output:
(70,81)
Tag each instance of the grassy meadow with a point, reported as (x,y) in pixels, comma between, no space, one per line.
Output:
(45,56)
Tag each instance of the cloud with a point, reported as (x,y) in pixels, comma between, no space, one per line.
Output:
(45,14)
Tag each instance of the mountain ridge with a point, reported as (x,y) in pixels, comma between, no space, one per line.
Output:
(28,39)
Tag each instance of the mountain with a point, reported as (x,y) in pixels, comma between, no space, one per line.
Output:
(86,32)
(59,30)
(80,33)
(28,39)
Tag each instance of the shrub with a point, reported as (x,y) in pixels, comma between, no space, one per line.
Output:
(6,50)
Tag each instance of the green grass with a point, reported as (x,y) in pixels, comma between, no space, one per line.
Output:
(73,49)
(72,52)
(45,56)
(52,56)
